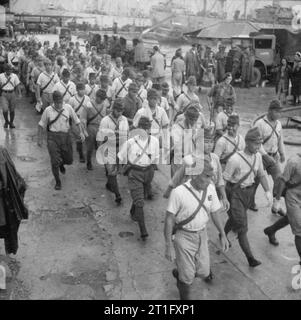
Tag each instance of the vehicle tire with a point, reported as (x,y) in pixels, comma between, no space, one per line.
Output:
(256,77)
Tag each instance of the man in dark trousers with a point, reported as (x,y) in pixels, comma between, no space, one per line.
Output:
(56,120)
(240,173)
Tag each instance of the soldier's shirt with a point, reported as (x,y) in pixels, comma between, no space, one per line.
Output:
(113,129)
(292,174)
(62,124)
(164,103)
(236,168)
(182,205)
(221,121)
(44,78)
(142,94)
(148,84)
(91,111)
(131,151)
(13,81)
(185,99)
(90,91)
(76,101)
(223,147)
(116,72)
(62,88)
(158,118)
(36,71)
(91,70)
(120,88)
(271,146)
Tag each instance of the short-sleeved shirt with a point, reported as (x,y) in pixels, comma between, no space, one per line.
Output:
(90,91)
(182,205)
(120,88)
(116,72)
(158,118)
(78,103)
(142,94)
(132,151)
(92,70)
(271,146)
(148,84)
(43,80)
(221,121)
(35,73)
(164,103)
(185,99)
(62,124)
(93,110)
(292,174)
(12,81)
(67,90)
(224,147)
(237,167)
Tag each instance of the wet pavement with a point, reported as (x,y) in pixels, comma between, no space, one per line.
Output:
(78,245)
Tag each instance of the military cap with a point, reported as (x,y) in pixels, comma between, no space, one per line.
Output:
(233,120)
(118,104)
(139,76)
(208,134)
(101,94)
(57,96)
(66,73)
(145,73)
(47,61)
(193,111)
(165,85)
(133,87)
(97,61)
(144,123)
(127,72)
(191,81)
(8,67)
(157,86)
(80,86)
(275,105)
(253,135)
(152,93)
(227,75)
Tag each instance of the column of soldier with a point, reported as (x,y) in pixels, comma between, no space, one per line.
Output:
(102,108)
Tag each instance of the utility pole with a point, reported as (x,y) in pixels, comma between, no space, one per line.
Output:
(205,7)
(245,9)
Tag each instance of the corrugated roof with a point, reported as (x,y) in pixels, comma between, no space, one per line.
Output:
(228,29)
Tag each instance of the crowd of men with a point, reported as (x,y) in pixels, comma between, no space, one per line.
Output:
(134,121)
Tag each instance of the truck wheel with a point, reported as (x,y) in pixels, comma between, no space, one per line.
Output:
(256,77)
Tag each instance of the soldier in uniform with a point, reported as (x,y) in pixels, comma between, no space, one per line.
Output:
(272,149)
(240,173)
(187,215)
(222,119)
(9,83)
(142,92)
(246,68)
(220,58)
(112,133)
(91,117)
(120,85)
(79,102)
(131,103)
(140,153)
(231,142)
(91,87)
(66,87)
(289,186)
(45,83)
(56,120)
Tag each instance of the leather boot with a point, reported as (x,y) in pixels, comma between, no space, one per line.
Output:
(132,212)
(139,213)
(184,290)
(115,188)
(271,231)
(12,118)
(5,115)
(55,172)
(79,149)
(245,246)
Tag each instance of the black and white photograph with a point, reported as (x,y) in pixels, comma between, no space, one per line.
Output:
(150,151)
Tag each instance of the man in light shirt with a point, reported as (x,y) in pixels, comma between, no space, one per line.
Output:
(66,87)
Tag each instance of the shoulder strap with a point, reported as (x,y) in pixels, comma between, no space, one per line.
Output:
(273,131)
(181,224)
(66,90)
(50,123)
(143,150)
(45,87)
(247,174)
(7,82)
(79,106)
(224,160)
(122,87)
(98,113)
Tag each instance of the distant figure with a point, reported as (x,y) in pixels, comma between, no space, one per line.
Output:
(192,63)
(220,58)
(141,58)
(177,73)
(158,64)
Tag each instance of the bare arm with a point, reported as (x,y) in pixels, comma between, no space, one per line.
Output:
(40,136)
(169,224)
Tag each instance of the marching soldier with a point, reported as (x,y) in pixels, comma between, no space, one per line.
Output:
(157,115)
(272,149)
(142,92)
(231,142)
(112,133)
(240,174)
(147,83)
(79,102)
(105,85)
(289,186)
(96,68)
(187,215)
(91,87)
(66,87)
(9,83)
(131,103)
(120,85)
(221,120)
(91,117)
(45,83)
(141,152)
(186,99)
(56,120)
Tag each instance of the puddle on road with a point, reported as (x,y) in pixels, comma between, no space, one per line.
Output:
(126,234)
